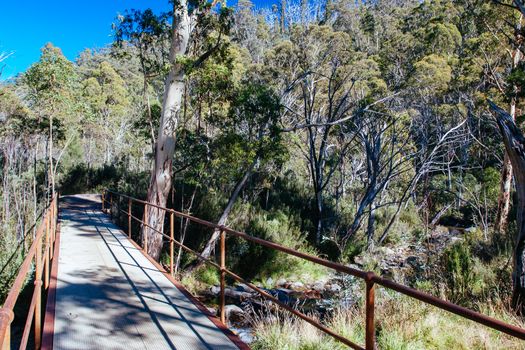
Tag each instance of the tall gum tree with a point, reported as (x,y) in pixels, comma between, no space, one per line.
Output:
(193,21)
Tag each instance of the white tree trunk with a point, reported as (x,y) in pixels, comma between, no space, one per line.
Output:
(506,171)
(160,183)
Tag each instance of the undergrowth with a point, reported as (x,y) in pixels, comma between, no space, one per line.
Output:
(401,323)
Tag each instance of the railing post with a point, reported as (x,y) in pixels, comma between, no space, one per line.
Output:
(38,294)
(55,221)
(129,217)
(47,251)
(223,275)
(145,228)
(172,226)
(103,199)
(6,317)
(52,228)
(369,309)
(110,205)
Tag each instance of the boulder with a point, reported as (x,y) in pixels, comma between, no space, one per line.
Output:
(334,288)
(298,286)
(215,290)
(234,315)
(319,286)
(281,282)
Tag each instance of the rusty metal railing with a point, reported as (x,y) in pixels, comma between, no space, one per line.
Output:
(370,278)
(40,254)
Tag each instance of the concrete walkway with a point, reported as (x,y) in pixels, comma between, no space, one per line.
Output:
(110,296)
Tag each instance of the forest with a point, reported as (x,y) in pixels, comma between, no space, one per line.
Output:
(361,132)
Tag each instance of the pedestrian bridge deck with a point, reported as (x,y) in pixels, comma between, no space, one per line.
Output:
(110,296)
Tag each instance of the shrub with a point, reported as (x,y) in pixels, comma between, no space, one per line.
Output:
(255,261)
(459,275)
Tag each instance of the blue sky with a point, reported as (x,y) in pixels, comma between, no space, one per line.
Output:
(72,25)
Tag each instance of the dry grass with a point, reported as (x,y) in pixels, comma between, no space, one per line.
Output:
(401,323)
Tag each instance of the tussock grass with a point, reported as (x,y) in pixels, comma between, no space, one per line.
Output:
(401,323)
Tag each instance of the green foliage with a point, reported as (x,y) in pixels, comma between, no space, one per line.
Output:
(255,261)
(432,74)
(459,265)
(208,275)
(51,85)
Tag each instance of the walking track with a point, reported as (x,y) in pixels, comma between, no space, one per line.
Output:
(110,296)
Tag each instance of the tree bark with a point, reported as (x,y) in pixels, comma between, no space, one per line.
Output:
(515,147)
(209,248)
(506,172)
(504,195)
(161,178)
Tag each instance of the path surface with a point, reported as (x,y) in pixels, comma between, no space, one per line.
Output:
(110,296)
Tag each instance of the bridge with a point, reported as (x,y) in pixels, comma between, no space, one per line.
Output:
(95,288)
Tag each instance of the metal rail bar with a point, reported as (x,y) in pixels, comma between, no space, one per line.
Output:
(40,254)
(369,277)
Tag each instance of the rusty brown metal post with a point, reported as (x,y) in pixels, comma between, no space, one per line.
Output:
(38,287)
(52,228)
(110,205)
(172,238)
(6,316)
(103,199)
(129,217)
(223,275)
(144,228)
(369,309)
(46,252)
(52,218)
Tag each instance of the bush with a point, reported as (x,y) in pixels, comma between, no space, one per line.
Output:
(255,261)
(459,274)
(208,275)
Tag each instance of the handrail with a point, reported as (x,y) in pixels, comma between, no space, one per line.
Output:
(370,278)
(40,254)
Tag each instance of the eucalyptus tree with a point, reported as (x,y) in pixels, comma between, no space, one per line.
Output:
(514,142)
(250,141)
(51,89)
(149,34)
(197,32)
(108,102)
(325,82)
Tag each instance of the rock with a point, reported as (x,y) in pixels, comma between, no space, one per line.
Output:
(234,314)
(297,286)
(359,260)
(237,295)
(334,288)
(215,290)
(245,334)
(319,286)
(454,239)
(241,287)
(388,251)
(281,282)
(269,282)
(283,295)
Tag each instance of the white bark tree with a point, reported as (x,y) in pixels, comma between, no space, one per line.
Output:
(184,32)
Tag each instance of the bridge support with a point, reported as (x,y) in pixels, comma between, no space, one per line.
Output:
(172,247)
(223,276)
(129,218)
(369,309)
